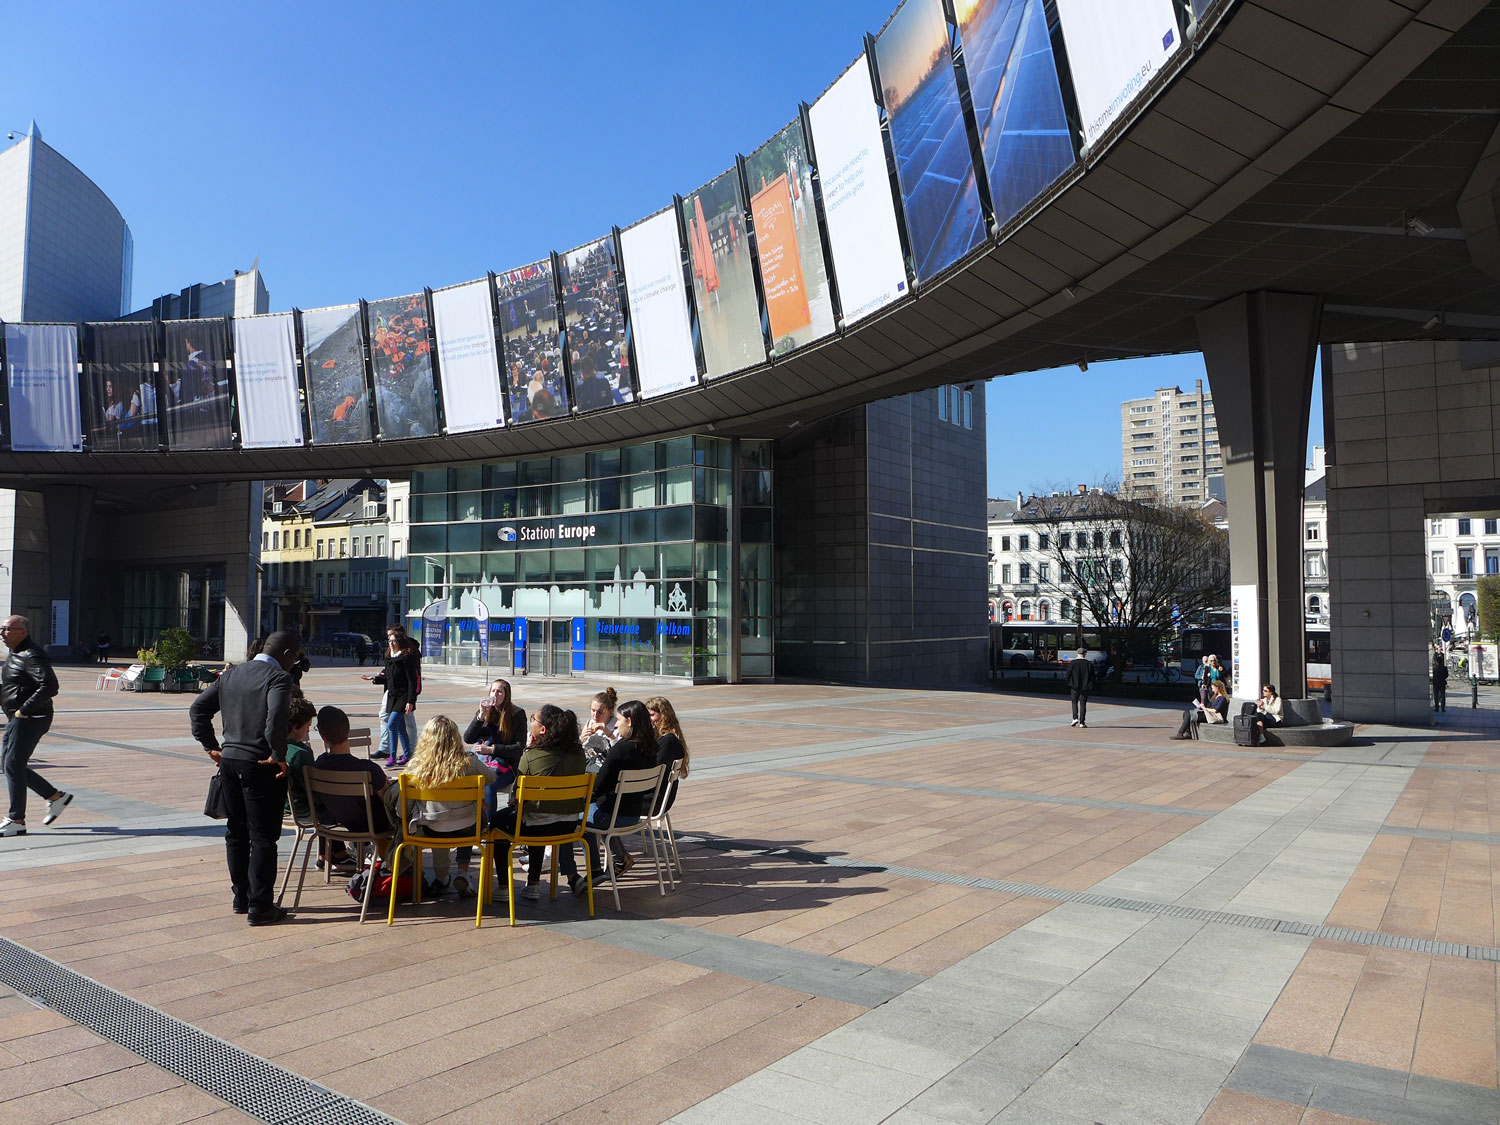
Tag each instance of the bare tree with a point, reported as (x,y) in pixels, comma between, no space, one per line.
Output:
(1134,571)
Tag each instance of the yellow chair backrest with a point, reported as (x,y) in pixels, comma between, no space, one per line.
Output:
(553,791)
(453,792)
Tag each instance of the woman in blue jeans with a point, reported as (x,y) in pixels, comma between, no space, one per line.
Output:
(400,682)
(634,749)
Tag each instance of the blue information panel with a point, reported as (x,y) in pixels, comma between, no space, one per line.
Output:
(519,655)
(580,631)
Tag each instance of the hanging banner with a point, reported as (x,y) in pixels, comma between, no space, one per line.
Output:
(531,329)
(194,363)
(433,619)
(265,370)
(723,280)
(939,192)
(41,369)
(857,202)
(468,363)
(1115,48)
(792,271)
(333,362)
(482,621)
(402,356)
(594,327)
(1023,127)
(1244,622)
(658,306)
(120,386)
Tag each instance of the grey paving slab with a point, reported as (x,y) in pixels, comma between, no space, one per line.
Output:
(839,1072)
(973,1092)
(815,1101)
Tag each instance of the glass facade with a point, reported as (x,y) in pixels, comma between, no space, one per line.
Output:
(615,561)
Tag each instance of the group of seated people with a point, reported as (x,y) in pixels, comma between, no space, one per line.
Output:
(500,744)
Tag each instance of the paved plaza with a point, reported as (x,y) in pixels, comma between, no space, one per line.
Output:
(907,906)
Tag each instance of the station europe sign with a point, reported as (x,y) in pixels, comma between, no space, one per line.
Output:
(564,532)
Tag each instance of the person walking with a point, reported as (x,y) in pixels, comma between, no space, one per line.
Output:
(27,685)
(255,701)
(1080,683)
(1439,683)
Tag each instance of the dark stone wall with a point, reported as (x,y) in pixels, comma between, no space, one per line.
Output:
(881,546)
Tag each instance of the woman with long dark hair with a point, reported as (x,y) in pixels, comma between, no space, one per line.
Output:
(400,682)
(634,749)
(552,750)
(498,728)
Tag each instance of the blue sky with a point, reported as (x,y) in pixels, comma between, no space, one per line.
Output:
(367,150)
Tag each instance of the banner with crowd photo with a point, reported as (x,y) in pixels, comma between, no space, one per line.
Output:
(41,372)
(659,323)
(402,355)
(468,365)
(333,362)
(265,375)
(196,369)
(530,330)
(723,278)
(120,387)
(1023,127)
(1115,49)
(857,204)
(793,273)
(934,166)
(594,323)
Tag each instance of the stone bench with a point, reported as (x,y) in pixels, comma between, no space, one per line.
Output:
(1303,725)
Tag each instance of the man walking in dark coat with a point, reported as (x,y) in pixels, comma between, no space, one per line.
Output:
(27,685)
(1080,683)
(255,701)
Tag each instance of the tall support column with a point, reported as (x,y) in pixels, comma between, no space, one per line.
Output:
(1259,349)
(69,509)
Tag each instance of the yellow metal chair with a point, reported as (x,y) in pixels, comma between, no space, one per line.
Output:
(461,790)
(533,791)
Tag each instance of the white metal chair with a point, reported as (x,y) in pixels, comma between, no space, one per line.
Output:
(336,783)
(359,739)
(660,823)
(631,783)
(307,833)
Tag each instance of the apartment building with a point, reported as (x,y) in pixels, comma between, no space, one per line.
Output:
(1169,446)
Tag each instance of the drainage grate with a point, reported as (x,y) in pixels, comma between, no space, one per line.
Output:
(1461,950)
(248,1082)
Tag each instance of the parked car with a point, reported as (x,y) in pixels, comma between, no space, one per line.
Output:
(357,645)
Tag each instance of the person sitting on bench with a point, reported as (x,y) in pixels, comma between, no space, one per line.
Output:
(1216,712)
(1268,710)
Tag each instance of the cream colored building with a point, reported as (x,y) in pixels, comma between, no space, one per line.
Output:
(1169,446)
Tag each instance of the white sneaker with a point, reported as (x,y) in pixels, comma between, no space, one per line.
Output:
(10,827)
(532,891)
(1074,723)
(462,885)
(55,807)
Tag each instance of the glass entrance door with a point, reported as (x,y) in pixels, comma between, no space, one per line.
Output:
(549,646)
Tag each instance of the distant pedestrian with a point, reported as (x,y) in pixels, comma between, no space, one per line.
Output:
(103,645)
(27,685)
(1439,683)
(1080,683)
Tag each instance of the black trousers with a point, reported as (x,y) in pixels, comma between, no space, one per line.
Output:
(1080,705)
(21,737)
(567,862)
(1439,696)
(1190,721)
(254,797)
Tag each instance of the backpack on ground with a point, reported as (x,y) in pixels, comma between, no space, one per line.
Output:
(1246,733)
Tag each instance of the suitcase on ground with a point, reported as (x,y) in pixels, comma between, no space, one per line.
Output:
(1245,733)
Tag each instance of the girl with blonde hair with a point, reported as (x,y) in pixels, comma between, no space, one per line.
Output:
(441,757)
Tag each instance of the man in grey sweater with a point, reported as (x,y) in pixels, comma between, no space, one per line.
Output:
(254,699)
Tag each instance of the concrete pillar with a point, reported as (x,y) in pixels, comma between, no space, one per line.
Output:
(1259,349)
(69,509)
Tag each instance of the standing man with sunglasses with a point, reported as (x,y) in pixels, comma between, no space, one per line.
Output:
(27,685)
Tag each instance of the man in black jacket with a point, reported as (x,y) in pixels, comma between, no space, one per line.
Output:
(1080,683)
(255,701)
(27,685)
